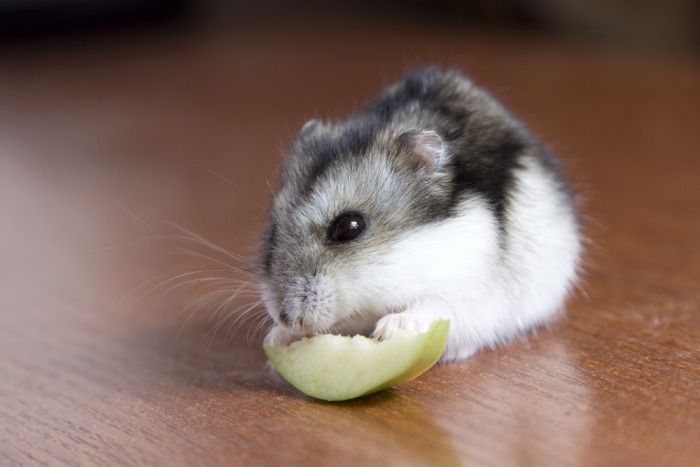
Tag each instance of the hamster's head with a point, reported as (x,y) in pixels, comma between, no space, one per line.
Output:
(350,194)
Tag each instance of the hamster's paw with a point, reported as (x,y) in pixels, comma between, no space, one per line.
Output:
(279,336)
(388,326)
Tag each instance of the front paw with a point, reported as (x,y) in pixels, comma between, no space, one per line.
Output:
(388,326)
(279,336)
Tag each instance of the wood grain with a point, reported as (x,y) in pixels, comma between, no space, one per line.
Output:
(113,153)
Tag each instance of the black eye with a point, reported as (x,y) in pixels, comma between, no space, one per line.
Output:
(346,227)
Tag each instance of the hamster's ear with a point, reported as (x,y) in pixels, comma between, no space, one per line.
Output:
(426,150)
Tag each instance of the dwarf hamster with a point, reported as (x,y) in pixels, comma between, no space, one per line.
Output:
(433,202)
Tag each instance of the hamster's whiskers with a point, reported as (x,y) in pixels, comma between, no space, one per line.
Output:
(236,262)
(227,291)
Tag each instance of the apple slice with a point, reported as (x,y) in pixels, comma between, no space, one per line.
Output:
(336,368)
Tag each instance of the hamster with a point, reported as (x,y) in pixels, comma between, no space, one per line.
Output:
(431,203)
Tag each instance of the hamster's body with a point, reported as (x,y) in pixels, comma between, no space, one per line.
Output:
(432,203)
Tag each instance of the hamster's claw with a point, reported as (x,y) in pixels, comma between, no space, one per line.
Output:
(388,326)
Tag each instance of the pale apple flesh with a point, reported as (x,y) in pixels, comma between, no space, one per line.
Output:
(335,368)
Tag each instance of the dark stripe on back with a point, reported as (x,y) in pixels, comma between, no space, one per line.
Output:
(322,153)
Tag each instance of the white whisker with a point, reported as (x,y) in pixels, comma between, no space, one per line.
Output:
(222,320)
(269,187)
(204,242)
(216,175)
(133,215)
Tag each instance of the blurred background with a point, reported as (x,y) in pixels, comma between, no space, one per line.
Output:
(139,141)
(662,26)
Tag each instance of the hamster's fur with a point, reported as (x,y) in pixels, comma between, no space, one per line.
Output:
(461,214)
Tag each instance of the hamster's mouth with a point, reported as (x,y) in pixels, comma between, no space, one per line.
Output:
(357,323)
(360,323)
(342,328)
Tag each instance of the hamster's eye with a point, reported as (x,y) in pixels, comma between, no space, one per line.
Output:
(346,227)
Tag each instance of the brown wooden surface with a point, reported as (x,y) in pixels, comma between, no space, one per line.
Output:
(108,149)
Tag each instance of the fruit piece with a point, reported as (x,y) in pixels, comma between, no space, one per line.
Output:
(336,368)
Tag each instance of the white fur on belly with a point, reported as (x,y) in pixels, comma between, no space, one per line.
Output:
(491,285)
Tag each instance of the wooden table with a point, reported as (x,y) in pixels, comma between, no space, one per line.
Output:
(116,154)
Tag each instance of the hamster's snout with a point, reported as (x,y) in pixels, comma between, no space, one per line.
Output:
(307,303)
